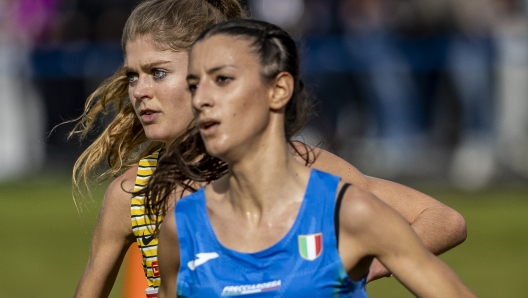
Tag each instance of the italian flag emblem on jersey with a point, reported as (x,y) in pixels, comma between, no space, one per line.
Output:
(311,246)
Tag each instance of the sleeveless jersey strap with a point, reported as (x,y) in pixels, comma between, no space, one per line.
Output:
(141,223)
(336,210)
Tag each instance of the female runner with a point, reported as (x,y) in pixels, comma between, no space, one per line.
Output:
(269,224)
(150,101)
(151,104)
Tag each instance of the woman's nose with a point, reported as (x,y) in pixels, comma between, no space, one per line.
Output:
(202,97)
(143,88)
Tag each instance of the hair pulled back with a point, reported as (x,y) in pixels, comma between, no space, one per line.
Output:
(277,52)
(186,161)
(171,24)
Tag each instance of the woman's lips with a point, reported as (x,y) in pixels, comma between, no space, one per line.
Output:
(148,116)
(208,127)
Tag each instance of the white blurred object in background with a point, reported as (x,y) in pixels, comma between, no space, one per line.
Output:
(279,12)
(512,73)
(22,129)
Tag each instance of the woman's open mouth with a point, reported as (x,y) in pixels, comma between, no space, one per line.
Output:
(208,127)
(148,116)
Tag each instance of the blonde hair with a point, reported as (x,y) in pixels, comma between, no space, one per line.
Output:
(171,24)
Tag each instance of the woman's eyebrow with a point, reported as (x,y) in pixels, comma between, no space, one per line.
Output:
(147,66)
(210,71)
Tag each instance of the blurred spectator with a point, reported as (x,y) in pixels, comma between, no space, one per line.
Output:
(458,37)
(392,138)
(22,23)
(512,76)
(466,58)
(469,63)
(59,63)
(83,50)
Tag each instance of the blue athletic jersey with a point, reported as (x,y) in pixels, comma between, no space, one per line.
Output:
(304,263)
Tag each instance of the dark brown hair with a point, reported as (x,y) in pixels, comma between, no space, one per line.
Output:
(186,161)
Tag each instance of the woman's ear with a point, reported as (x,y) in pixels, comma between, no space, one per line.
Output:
(281,90)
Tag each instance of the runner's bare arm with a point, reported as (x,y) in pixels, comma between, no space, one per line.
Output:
(168,256)
(111,240)
(438,226)
(369,227)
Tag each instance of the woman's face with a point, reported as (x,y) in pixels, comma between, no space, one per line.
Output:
(229,98)
(157,89)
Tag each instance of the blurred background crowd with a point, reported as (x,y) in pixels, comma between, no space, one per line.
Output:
(407,89)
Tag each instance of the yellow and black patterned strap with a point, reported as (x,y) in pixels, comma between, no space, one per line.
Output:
(142,226)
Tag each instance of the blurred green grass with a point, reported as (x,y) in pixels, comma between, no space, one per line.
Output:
(46,241)
(493,259)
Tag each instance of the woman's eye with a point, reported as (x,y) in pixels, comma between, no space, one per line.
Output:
(159,74)
(192,88)
(132,77)
(223,79)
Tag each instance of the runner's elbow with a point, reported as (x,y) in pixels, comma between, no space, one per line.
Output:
(458,227)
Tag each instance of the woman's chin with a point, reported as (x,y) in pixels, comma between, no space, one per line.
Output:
(154,137)
(216,151)
(157,135)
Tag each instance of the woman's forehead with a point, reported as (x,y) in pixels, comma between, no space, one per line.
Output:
(222,47)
